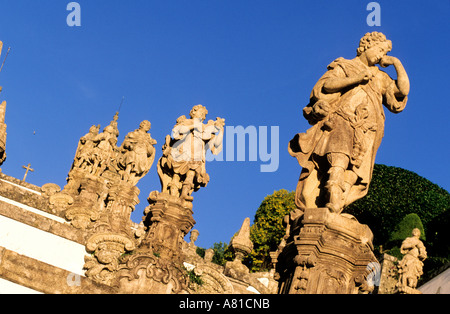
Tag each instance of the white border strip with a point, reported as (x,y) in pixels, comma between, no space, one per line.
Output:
(33,210)
(22,187)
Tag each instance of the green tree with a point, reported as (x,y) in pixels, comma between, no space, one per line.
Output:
(222,254)
(267,229)
(405,227)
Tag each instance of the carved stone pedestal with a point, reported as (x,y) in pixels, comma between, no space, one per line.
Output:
(113,235)
(156,267)
(88,193)
(326,253)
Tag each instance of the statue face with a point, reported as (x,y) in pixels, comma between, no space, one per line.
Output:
(375,53)
(145,125)
(199,112)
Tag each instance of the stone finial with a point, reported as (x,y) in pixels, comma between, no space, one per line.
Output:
(193,237)
(241,243)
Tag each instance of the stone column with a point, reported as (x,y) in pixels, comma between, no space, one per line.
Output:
(325,253)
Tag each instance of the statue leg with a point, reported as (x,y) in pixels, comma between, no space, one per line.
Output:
(174,186)
(188,186)
(335,184)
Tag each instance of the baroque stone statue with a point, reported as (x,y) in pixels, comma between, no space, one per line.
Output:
(182,167)
(411,266)
(346,113)
(325,251)
(138,154)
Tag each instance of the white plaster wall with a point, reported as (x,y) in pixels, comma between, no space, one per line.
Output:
(41,245)
(438,285)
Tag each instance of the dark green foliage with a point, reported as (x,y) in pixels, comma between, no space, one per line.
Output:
(221,253)
(405,227)
(395,193)
(200,252)
(402,231)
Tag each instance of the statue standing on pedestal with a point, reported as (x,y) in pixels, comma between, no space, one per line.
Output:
(346,110)
(411,266)
(323,250)
(138,154)
(182,167)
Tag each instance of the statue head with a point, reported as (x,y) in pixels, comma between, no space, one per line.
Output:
(194,235)
(198,112)
(94,129)
(145,125)
(375,46)
(416,232)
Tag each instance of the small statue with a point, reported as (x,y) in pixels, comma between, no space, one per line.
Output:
(84,158)
(338,153)
(182,167)
(138,154)
(105,149)
(411,266)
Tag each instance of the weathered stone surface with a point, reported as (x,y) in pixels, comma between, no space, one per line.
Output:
(182,168)
(45,278)
(326,253)
(389,274)
(410,268)
(346,110)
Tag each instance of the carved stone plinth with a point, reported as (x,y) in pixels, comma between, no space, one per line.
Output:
(88,192)
(112,234)
(157,265)
(326,253)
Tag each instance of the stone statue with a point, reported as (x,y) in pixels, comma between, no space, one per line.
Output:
(138,154)
(182,166)
(84,158)
(338,153)
(105,148)
(411,266)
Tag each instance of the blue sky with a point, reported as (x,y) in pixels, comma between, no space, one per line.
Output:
(251,62)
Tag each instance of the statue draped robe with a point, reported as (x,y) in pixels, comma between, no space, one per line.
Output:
(351,122)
